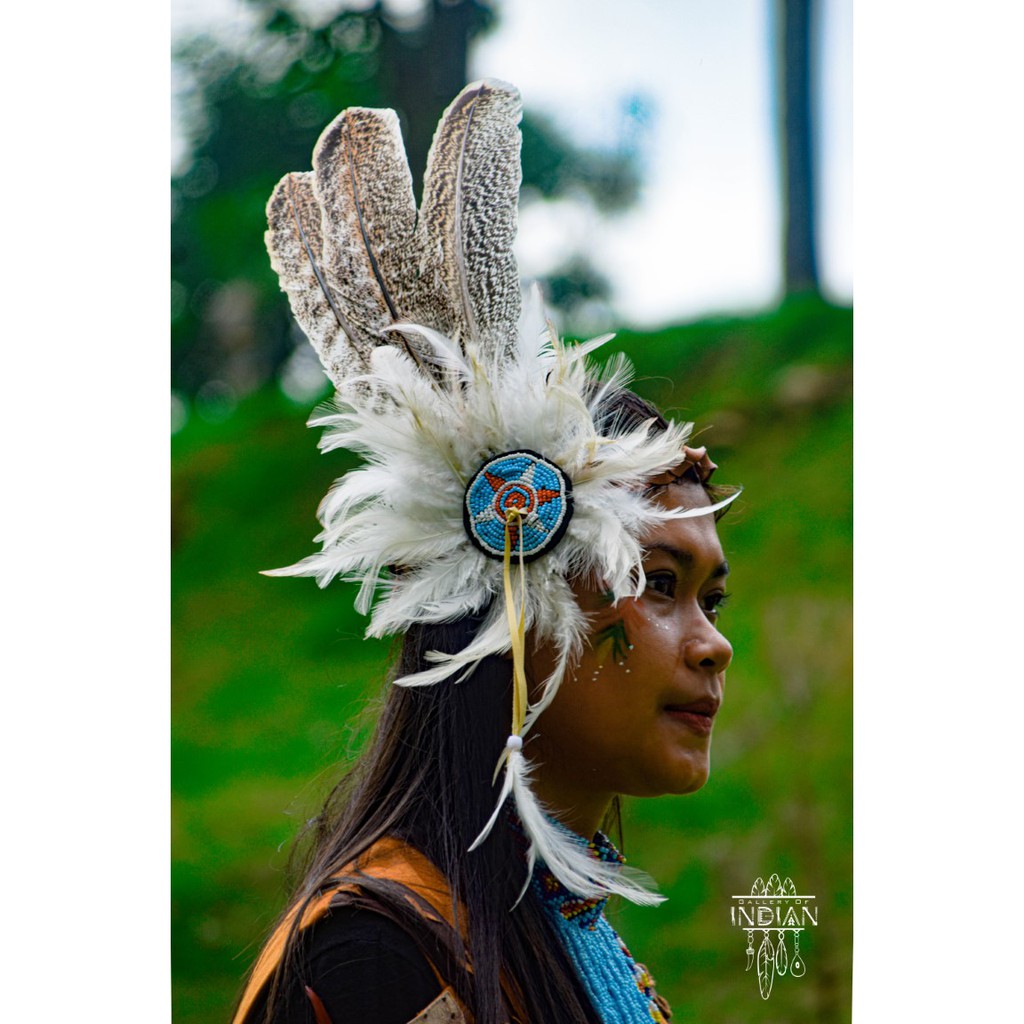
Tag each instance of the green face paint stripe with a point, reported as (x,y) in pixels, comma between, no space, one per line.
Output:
(615,634)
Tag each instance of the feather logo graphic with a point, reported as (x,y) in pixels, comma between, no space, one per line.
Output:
(776,912)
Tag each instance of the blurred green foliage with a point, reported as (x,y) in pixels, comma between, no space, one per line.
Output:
(272,678)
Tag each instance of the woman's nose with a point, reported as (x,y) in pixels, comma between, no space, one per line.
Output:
(707,649)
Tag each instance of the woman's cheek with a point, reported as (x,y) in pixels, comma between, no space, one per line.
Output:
(601,610)
(635,616)
(647,612)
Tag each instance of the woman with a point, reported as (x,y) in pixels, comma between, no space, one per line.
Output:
(546,543)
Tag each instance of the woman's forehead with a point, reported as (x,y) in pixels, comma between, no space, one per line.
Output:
(696,536)
(682,493)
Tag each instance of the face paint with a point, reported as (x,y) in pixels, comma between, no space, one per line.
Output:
(615,637)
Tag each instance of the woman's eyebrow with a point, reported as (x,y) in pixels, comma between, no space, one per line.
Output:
(685,558)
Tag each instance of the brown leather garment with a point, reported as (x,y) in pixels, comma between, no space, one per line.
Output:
(389,859)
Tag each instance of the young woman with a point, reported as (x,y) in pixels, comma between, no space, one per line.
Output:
(546,542)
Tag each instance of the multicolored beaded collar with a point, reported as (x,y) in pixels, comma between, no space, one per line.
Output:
(621,990)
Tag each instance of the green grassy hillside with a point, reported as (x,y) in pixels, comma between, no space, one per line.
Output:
(271,675)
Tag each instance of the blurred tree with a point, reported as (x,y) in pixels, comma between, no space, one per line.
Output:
(252,115)
(254,110)
(576,285)
(800,263)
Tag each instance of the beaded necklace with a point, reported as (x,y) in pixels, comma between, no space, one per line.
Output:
(621,990)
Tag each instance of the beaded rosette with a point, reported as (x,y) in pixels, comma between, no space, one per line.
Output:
(518,491)
(487,481)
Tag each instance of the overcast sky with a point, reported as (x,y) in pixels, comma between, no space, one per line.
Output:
(706,236)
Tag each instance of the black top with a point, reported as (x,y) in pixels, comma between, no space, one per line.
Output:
(364,968)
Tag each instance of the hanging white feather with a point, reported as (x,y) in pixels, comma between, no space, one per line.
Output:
(553,844)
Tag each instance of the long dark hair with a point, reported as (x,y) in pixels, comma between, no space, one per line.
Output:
(426,778)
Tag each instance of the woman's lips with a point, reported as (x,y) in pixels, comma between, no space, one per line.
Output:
(698,715)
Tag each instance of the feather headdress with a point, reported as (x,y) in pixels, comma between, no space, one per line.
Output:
(487,483)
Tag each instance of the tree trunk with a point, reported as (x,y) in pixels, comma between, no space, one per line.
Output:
(423,70)
(797,147)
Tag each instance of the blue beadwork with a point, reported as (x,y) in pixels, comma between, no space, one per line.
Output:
(621,989)
(525,481)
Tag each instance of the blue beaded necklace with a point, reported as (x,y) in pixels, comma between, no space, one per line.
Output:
(621,990)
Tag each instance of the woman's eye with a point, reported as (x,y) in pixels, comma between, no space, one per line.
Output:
(663,583)
(714,603)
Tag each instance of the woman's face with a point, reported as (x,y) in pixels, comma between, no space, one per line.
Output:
(635,716)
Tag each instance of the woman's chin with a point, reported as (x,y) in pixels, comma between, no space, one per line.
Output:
(694,781)
(677,781)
